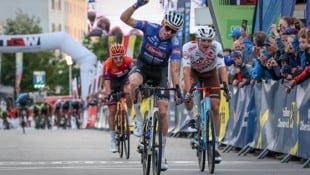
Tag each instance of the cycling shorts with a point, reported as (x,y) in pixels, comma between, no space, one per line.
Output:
(158,75)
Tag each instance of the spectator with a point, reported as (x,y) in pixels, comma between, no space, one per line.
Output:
(102,27)
(241,75)
(235,33)
(117,33)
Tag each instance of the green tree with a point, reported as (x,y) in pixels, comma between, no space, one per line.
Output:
(40,61)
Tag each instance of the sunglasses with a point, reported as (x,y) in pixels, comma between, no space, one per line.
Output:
(207,40)
(118,58)
(172,31)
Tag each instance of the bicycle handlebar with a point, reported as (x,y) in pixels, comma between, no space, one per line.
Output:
(156,89)
(208,89)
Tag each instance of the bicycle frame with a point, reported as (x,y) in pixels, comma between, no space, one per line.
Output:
(122,125)
(206,128)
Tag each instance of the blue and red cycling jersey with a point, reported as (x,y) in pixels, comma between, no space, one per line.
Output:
(155,51)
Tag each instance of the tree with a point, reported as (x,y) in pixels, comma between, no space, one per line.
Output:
(40,61)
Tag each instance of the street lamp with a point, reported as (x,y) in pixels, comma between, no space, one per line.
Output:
(69,63)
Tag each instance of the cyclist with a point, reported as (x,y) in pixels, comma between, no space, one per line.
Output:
(159,44)
(75,112)
(23,101)
(201,60)
(57,111)
(45,115)
(115,73)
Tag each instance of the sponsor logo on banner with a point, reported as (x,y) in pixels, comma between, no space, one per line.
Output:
(30,41)
(289,117)
(305,124)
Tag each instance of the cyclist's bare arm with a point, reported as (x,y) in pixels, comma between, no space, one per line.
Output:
(175,72)
(126,16)
(187,78)
(223,75)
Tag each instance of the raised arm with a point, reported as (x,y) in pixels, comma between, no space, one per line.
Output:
(126,16)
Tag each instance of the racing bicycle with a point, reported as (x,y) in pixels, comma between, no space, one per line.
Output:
(205,138)
(150,143)
(122,130)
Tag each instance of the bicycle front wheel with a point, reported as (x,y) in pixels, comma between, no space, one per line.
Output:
(201,151)
(125,138)
(157,144)
(145,156)
(211,142)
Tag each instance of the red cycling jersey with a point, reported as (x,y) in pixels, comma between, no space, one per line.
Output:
(110,70)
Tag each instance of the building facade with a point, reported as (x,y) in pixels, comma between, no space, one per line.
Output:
(54,15)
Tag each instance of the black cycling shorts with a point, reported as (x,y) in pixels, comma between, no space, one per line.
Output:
(157,74)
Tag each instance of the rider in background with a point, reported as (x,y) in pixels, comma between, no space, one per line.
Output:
(75,112)
(115,73)
(23,101)
(201,60)
(160,44)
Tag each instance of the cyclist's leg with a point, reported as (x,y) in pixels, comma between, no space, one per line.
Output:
(136,78)
(128,102)
(189,105)
(112,112)
(163,112)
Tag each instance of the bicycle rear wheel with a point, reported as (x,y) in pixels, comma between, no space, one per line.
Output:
(157,144)
(201,152)
(125,137)
(211,142)
(145,156)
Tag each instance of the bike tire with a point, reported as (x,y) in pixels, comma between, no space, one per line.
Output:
(211,142)
(157,144)
(145,156)
(126,134)
(201,152)
(118,131)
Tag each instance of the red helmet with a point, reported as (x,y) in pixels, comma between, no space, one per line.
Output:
(117,50)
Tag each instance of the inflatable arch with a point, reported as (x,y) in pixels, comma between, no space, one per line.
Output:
(51,41)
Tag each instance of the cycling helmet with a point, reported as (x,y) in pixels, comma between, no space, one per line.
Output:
(174,19)
(205,32)
(117,50)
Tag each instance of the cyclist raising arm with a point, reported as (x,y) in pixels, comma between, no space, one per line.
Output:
(159,44)
(115,73)
(200,61)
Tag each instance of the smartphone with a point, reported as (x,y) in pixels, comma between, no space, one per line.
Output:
(244,24)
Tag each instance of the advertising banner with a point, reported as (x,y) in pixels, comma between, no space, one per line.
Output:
(229,16)
(303,104)
(285,119)
(265,131)
(244,117)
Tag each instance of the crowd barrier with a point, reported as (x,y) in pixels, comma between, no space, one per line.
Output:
(261,117)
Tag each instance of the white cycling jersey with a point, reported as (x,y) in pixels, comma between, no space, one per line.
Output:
(202,62)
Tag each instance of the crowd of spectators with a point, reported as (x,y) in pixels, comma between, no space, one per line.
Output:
(282,54)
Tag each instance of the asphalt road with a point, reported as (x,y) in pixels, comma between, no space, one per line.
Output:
(86,152)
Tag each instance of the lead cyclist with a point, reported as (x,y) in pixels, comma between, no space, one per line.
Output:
(159,46)
(201,61)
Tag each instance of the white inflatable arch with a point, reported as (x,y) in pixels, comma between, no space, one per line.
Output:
(51,41)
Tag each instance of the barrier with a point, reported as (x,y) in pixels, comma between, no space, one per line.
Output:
(281,120)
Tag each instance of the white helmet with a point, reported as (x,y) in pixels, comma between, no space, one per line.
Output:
(206,32)
(174,19)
